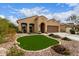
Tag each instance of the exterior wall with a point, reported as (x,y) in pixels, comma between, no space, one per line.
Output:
(31,20)
(68,29)
(28,21)
(62,28)
(53,23)
(37,20)
(42,20)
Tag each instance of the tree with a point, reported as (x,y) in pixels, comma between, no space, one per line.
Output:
(6,30)
(73,19)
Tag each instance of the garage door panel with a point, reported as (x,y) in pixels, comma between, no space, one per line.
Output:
(52,28)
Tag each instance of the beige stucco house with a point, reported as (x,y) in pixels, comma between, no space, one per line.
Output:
(37,24)
(66,27)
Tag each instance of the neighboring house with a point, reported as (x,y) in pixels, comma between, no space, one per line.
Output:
(65,27)
(36,24)
(77,26)
(62,27)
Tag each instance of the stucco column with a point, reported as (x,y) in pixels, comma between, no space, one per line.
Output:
(59,29)
(45,28)
(27,27)
(38,28)
(19,27)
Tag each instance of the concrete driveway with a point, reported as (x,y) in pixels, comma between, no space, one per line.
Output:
(71,36)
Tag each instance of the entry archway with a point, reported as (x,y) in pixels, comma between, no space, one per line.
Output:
(31,28)
(42,27)
(24,27)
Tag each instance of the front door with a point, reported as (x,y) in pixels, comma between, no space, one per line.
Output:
(42,27)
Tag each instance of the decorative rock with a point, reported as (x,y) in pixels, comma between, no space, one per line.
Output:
(3,51)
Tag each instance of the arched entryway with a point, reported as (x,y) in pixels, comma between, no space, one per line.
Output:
(31,28)
(42,27)
(24,27)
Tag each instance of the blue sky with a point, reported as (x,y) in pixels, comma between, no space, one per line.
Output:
(53,7)
(60,11)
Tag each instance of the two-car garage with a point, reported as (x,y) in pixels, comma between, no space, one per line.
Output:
(52,29)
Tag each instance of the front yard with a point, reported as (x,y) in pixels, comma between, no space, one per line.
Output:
(36,42)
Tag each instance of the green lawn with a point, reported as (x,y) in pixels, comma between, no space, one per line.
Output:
(36,42)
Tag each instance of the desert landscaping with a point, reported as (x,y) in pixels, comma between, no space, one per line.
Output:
(27,30)
(70,45)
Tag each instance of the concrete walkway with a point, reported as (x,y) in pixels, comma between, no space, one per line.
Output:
(71,36)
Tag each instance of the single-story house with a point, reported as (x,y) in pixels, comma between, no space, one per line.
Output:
(37,24)
(65,27)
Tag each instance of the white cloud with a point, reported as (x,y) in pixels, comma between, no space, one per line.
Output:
(33,11)
(58,4)
(2,16)
(75,9)
(63,16)
(28,12)
(10,18)
(72,4)
(45,12)
(49,16)
(13,19)
(12,8)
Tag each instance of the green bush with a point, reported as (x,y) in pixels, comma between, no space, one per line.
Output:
(65,38)
(61,50)
(19,31)
(55,36)
(13,51)
(72,31)
(6,29)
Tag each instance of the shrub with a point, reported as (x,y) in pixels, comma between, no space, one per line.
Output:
(19,32)
(6,29)
(13,51)
(55,36)
(65,38)
(72,31)
(61,50)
